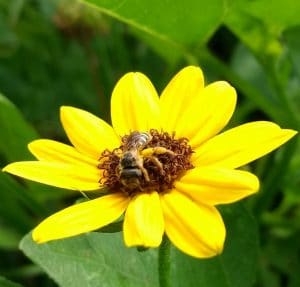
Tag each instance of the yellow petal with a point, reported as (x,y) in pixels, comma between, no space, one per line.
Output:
(195,229)
(81,218)
(134,104)
(53,151)
(208,113)
(89,134)
(217,185)
(81,178)
(178,95)
(143,224)
(241,145)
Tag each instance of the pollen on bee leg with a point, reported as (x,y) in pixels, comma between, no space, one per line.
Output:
(156,150)
(144,172)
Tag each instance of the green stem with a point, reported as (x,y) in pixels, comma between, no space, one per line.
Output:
(164,263)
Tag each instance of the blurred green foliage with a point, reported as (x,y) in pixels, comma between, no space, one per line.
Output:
(55,53)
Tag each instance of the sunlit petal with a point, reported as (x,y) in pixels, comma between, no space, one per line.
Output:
(194,228)
(217,185)
(81,218)
(144,224)
(89,134)
(178,95)
(75,177)
(208,113)
(241,145)
(53,151)
(134,104)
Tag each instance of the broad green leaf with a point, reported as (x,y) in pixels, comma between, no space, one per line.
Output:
(170,52)
(112,227)
(277,14)
(260,27)
(7,283)
(98,259)
(178,22)
(16,133)
(253,32)
(235,267)
(94,260)
(259,24)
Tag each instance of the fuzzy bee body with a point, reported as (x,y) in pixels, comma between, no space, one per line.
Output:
(131,162)
(137,141)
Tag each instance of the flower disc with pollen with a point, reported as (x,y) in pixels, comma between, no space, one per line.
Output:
(168,180)
(173,165)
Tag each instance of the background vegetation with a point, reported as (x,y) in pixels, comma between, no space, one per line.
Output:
(55,53)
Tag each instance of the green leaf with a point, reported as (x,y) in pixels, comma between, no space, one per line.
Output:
(112,227)
(6,283)
(102,259)
(16,133)
(177,22)
(235,267)
(259,26)
(280,16)
(260,29)
(94,260)
(182,22)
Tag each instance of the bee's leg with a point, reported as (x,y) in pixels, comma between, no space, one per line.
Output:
(144,171)
(151,152)
(148,152)
(158,164)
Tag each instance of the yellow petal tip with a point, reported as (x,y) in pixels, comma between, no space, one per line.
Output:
(4,169)
(192,68)
(37,238)
(287,134)
(193,71)
(290,133)
(8,168)
(256,185)
(64,109)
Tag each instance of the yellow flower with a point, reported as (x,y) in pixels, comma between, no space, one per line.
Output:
(162,162)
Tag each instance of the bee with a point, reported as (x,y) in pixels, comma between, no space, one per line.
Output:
(132,162)
(131,165)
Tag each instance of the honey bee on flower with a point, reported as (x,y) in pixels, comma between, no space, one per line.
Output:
(165,164)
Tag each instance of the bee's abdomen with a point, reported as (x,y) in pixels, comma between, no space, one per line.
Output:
(130,173)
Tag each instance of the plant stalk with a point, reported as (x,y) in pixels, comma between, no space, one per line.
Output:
(164,263)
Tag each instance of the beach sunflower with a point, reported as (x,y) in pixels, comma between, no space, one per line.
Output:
(163,163)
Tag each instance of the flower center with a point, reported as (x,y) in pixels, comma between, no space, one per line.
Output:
(145,162)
